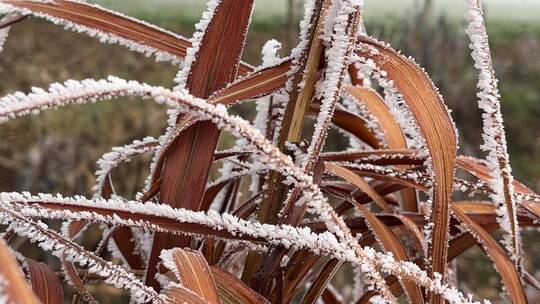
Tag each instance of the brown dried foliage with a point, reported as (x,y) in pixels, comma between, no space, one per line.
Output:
(381,178)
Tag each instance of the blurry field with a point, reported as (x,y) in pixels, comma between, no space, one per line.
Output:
(272,11)
(57,151)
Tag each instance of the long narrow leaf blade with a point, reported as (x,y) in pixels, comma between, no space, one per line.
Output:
(110,23)
(191,154)
(503,263)
(192,272)
(392,243)
(437,128)
(45,283)
(233,291)
(392,132)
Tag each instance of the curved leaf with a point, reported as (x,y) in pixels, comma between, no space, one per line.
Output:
(163,223)
(193,273)
(392,243)
(254,85)
(437,128)
(233,291)
(322,280)
(351,123)
(503,264)
(13,285)
(180,295)
(190,157)
(391,130)
(112,23)
(45,283)
(377,157)
(108,22)
(359,182)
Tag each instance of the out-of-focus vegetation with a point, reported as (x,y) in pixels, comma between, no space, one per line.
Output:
(57,150)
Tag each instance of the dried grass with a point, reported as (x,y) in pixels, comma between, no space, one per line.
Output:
(189,239)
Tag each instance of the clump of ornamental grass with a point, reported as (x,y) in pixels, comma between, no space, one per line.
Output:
(385,207)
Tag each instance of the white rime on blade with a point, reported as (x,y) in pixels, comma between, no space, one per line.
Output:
(303,43)
(4,297)
(103,37)
(4,32)
(75,92)
(398,107)
(109,161)
(494,136)
(338,34)
(262,119)
(297,238)
(50,240)
(196,40)
(402,114)
(281,98)
(267,154)
(372,123)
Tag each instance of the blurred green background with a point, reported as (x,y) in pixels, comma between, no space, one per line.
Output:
(57,150)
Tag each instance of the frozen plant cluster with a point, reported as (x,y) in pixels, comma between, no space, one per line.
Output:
(229,230)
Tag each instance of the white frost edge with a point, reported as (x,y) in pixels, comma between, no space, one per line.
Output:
(101,35)
(494,135)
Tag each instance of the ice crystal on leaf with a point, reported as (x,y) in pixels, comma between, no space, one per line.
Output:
(112,159)
(338,32)
(4,32)
(498,161)
(196,40)
(308,228)
(103,36)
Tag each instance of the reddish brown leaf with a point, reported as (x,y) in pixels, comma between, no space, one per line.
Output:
(531,280)
(190,156)
(74,228)
(351,123)
(436,126)
(128,247)
(167,224)
(391,130)
(456,247)
(11,20)
(45,283)
(330,296)
(193,273)
(503,264)
(14,287)
(478,169)
(323,279)
(254,85)
(391,281)
(360,183)
(114,24)
(354,72)
(108,22)
(376,106)
(180,295)
(76,282)
(386,178)
(211,193)
(377,157)
(298,267)
(415,234)
(481,171)
(123,236)
(532,207)
(233,291)
(392,243)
